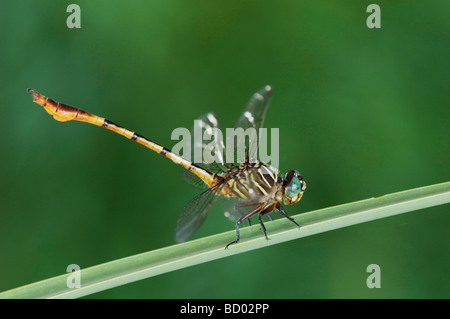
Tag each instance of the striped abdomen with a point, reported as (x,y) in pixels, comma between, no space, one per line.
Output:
(62,112)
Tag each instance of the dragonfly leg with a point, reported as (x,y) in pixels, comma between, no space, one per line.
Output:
(265,211)
(249,214)
(237,234)
(245,204)
(242,213)
(282,212)
(262,225)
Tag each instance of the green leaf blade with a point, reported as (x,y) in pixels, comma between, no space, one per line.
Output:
(153,263)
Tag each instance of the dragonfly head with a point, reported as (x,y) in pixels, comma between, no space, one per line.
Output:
(294,187)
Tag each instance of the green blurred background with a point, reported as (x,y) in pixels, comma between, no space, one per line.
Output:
(362,112)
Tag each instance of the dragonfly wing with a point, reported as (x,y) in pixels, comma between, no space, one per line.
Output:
(194,214)
(253,117)
(205,140)
(207,143)
(235,208)
(230,210)
(194,180)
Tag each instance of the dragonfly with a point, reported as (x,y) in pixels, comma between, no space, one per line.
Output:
(253,187)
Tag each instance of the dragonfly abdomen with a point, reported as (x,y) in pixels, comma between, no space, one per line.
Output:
(63,113)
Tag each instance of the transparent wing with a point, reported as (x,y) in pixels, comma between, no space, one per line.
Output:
(207,141)
(252,117)
(229,207)
(234,208)
(193,179)
(207,148)
(255,111)
(195,212)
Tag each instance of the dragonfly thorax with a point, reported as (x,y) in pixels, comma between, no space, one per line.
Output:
(259,182)
(252,181)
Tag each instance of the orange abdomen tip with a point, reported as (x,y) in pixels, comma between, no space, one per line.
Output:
(36,96)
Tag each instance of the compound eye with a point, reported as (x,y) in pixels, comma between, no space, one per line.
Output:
(294,187)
